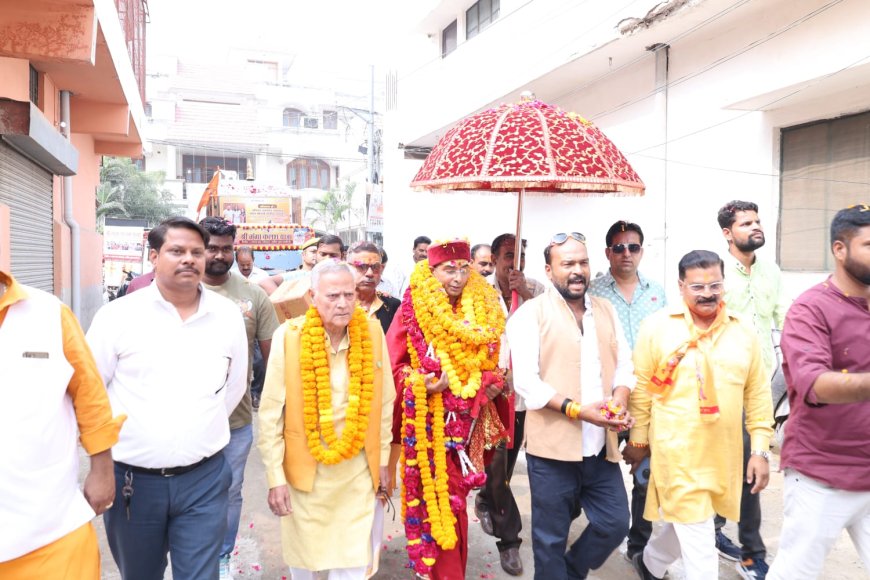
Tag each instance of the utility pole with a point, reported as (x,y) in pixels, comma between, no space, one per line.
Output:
(372,169)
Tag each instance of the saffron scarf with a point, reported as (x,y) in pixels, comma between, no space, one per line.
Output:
(662,380)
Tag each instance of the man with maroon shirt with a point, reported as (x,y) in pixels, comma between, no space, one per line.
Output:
(826,454)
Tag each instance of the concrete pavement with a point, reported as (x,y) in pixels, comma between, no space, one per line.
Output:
(258,548)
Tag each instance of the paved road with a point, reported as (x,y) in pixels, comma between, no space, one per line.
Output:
(258,549)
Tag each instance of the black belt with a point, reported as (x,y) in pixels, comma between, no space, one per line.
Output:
(164,471)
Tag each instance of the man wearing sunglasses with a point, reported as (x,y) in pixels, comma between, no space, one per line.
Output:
(634,297)
(365,260)
(698,366)
(571,359)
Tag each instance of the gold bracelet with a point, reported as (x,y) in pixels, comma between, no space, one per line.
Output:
(638,445)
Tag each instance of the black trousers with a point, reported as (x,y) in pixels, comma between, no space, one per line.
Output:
(497,498)
(749,526)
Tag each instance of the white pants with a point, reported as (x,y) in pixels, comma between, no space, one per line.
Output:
(695,543)
(814,515)
(337,574)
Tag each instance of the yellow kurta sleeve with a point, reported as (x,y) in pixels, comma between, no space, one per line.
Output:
(758,401)
(388,398)
(271,414)
(99,430)
(640,403)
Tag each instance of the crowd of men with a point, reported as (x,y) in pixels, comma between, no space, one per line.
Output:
(432,382)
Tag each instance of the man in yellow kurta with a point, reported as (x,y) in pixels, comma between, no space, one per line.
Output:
(325,419)
(698,368)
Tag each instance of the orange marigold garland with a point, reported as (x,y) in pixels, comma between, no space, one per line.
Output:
(463,343)
(323,442)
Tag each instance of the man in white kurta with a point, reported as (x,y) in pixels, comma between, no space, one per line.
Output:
(327,511)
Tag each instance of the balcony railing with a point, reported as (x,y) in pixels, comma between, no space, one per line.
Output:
(133,15)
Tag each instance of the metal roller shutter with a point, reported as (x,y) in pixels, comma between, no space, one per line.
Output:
(26,188)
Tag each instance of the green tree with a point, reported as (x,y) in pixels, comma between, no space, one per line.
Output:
(125,191)
(332,208)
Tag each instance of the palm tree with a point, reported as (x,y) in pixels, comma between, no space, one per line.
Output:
(126,191)
(331,208)
(108,204)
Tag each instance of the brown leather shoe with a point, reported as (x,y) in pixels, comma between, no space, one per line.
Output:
(511,562)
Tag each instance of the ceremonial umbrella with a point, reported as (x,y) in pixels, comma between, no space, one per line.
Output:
(532,148)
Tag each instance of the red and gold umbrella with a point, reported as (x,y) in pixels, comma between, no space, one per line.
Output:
(528,147)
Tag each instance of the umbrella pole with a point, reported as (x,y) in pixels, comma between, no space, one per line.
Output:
(518,246)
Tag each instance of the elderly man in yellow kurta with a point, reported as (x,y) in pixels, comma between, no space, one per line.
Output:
(325,429)
(698,368)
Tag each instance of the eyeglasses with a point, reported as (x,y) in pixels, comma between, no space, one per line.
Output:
(715,288)
(363,267)
(620,248)
(559,239)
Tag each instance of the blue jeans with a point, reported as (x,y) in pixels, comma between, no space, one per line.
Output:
(259,370)
(236,454)
(184,515)
(560,490)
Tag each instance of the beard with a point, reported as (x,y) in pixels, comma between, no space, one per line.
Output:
(569,294)
(751,244)
(857,270)
(217,268)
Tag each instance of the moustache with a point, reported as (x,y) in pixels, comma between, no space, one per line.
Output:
(710,300)
(575,279)
(184,270)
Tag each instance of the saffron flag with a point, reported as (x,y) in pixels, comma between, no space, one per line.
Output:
(211,190)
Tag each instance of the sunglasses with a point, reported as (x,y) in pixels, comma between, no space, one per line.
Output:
(363,267)
(560,239)
(620,248)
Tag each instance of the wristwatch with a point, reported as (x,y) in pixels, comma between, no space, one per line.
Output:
(764,454)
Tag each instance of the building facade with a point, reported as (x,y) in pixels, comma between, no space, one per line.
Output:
(711,100)
(71,88)
(260,116)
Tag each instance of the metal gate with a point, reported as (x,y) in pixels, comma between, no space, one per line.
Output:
(26,188)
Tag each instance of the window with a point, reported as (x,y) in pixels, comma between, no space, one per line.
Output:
(448,39)
(311,122)
(825,167)
(34,86)
(330,119)
(305,173)
(479,16)
(293,118)
(200,168)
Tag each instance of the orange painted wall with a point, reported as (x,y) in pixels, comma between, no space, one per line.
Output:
(14,79)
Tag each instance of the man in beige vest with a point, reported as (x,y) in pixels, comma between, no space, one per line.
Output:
(571,359)
(325,419)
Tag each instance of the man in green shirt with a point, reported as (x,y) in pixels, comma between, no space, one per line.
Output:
(260,323)
(754,290)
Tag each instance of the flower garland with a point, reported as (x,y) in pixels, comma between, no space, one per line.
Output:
(317,389)
(463,344)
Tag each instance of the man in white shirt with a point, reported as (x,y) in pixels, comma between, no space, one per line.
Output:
(572,365)
(174,357)
(246,267)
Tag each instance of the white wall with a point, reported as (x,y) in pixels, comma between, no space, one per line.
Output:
(735,82)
